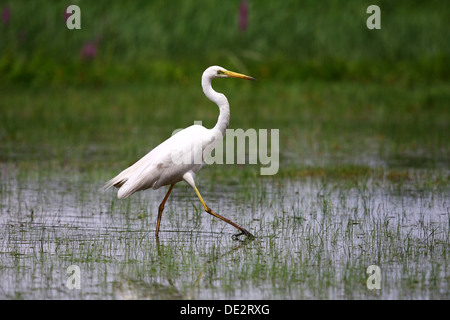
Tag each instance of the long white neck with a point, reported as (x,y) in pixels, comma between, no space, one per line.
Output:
(222,103)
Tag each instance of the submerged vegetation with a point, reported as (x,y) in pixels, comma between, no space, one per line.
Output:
(315,238)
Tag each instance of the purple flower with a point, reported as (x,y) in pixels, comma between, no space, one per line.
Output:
(6,15)
(243,15)
(89,51)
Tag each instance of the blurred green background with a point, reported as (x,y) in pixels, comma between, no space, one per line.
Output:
(342,95)
(161,40)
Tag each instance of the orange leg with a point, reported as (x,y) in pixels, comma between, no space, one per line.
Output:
(207,209)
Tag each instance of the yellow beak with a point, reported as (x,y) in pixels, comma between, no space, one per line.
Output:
(237,75)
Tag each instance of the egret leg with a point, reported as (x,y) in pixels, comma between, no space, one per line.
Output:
(161,208)
(208,210)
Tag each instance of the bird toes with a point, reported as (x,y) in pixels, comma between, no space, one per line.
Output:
(245,233)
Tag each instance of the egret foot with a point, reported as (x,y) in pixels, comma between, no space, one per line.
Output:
(208,210)
(244,232)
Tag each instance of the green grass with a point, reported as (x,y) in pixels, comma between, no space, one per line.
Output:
(160,41)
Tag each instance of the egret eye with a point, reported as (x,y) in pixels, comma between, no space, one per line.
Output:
(220,72)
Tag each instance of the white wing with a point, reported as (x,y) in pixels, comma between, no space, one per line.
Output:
(167,163)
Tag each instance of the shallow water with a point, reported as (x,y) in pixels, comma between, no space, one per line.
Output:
(315,239)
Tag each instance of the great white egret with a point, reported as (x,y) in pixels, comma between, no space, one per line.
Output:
(161,166)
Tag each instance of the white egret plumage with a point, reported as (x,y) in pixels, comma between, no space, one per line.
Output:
(163,165)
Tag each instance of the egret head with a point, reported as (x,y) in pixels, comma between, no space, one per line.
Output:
(219,72)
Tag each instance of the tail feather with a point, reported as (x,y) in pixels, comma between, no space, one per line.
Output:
(115,182)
